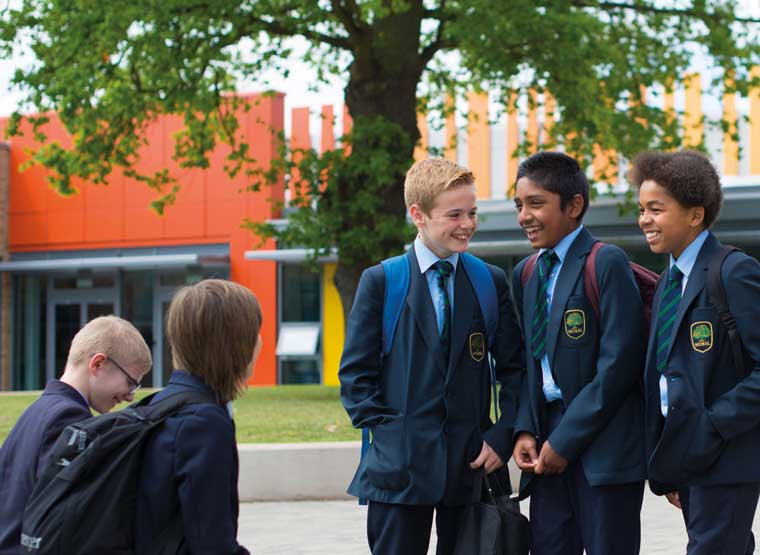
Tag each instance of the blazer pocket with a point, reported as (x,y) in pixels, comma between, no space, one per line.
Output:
(705,447)
(386,458)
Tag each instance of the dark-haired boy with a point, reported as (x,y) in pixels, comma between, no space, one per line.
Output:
(579,429)
(428,401)
(702,416)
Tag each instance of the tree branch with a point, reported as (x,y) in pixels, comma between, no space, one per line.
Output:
(655,10)
(439,42)
(345,15)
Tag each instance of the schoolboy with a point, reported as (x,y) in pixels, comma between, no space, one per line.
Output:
(427,403)
(107,359)
(702,416)
(188,487)
(579,429)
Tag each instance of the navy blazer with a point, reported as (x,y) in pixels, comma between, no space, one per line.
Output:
(25,453)
(712,433)
(428,416)
(190,466)
(596,364)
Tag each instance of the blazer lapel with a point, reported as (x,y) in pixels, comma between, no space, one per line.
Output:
(464,305)
(421,305)
(653,376)
(568,276)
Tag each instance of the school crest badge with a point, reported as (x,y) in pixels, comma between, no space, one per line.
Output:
(477,347)
(701,336)
(575,323)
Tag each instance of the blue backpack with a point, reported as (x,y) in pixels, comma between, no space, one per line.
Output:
(397,287)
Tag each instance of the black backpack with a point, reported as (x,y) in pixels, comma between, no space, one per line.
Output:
(85,500)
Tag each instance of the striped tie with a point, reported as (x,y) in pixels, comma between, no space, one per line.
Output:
(546,262)
(443,270)
(667,315)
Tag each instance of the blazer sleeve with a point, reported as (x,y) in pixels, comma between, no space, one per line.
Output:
(205,470)
(736,411)
(361,363)
(523,420)
(620,357)
(507,352)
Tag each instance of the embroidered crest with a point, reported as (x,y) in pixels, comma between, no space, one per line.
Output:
(477,346)
(701,336)
(575,323)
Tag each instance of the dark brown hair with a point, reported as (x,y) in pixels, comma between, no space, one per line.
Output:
(687,175)
(213,328)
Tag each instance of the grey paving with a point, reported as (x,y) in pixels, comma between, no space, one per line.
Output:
(338,528)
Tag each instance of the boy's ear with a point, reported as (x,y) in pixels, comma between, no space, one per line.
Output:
(96,362)
(418,216)
(697,216)
(575,207)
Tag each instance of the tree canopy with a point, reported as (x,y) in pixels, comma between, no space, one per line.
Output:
(109,68)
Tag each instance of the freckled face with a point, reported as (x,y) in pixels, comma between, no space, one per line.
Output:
(451,223)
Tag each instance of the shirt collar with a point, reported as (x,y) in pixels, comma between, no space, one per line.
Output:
(688,257)
(561,248)
(426,258)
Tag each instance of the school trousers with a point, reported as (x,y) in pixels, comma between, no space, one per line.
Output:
(719,518)
(405,529)
(568,515)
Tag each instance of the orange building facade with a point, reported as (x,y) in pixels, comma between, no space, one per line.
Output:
(104,251)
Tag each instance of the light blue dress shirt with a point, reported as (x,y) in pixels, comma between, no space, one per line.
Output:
(426,258)
(550,387)
(685,263)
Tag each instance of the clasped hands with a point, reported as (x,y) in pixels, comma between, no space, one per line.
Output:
(529,459)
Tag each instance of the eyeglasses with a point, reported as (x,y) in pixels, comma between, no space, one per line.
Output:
(134,385)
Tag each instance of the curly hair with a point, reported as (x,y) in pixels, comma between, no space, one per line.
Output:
(687,175)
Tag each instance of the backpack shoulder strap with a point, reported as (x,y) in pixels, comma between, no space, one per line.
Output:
(527,271)
(396,288)
(485,290)
(164,408)
(716,292)
(590,283)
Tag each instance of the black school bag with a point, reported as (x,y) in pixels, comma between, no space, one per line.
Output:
(85,500)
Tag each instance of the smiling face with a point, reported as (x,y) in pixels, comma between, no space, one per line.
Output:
(452,220)
(540,214)
(108,385)
(669,227)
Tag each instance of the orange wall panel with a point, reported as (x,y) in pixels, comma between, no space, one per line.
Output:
(65,226)
(328,129)
(28,228)
(104,225)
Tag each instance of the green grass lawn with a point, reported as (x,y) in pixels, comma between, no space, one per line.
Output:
(286,413)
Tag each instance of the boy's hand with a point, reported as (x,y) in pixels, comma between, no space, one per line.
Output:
(549,461)
(488,459)
(525,453)
(674,499)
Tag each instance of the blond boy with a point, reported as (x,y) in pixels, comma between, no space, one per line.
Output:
(107,359)
(427,400)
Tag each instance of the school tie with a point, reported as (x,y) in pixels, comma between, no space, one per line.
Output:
(443,270)
(667,315)
(546,262)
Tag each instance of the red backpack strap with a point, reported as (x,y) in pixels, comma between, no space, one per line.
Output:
(528,269)
(589,279)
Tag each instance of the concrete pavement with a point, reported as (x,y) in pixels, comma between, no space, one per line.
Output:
(338,528)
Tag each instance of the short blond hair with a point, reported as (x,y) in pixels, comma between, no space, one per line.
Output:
(114,337)
(213,328)
(428,178)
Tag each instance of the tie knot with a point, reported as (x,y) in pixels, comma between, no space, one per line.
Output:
(675,273)
(549,258)
(444,268)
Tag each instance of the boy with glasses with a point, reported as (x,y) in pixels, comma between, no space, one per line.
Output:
(93,379)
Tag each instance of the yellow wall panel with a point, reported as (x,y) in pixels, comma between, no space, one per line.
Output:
(420,149)
(754,126)
(693,130)
(450,147)
(730,146)
(513,139)
(531,130)
(479,142)
(333,327)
